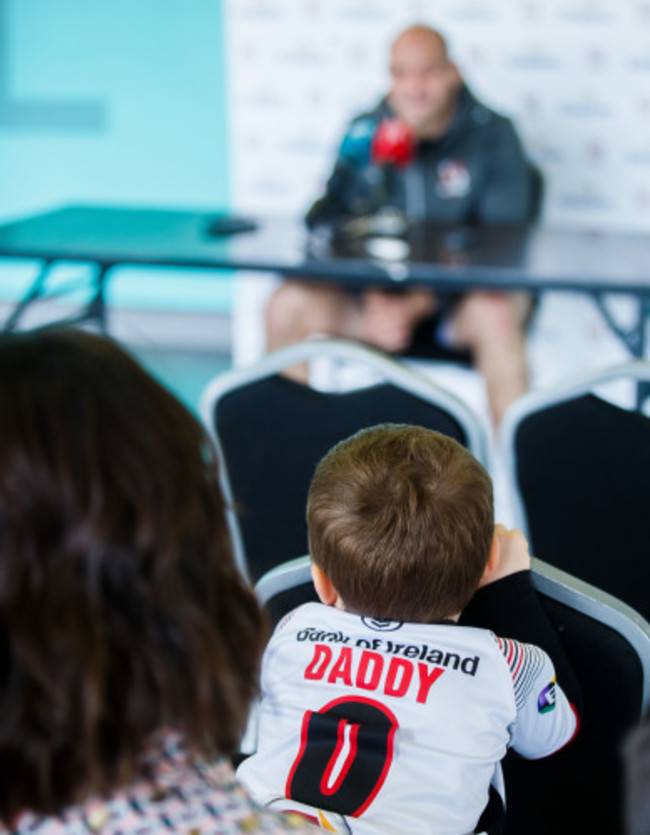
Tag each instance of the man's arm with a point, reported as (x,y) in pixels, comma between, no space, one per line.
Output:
(352,185)
(509,605)
(507,192)
(338,199)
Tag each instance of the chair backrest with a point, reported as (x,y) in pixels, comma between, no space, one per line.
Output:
(537,185)
(285,587)
(578,469)
(270,433)
(579,789)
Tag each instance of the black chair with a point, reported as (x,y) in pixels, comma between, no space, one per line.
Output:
(579,789)
(578,470)
(270,432)
(285,586)
(537,187)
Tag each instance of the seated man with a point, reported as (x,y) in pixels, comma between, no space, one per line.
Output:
(469,169)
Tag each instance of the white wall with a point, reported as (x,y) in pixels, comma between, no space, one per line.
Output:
(574,75)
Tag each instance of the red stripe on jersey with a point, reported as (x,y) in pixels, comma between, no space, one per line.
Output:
(516,671)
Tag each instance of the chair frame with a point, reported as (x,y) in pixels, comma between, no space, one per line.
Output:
(599,605)
(391,370)
(550,581)
(534,401)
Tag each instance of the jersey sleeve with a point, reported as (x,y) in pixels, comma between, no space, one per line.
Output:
(545,720)
(511,606)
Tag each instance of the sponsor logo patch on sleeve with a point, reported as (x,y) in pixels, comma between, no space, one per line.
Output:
(546,699)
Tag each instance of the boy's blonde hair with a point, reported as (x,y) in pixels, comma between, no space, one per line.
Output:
(401,520)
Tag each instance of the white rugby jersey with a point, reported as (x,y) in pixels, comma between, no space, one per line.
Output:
(382,727)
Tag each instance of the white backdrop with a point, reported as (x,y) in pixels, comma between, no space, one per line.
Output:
(573,74)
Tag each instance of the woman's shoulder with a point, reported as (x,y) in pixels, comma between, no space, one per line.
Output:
(178,793)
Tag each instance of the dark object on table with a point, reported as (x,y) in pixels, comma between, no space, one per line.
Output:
(220,225)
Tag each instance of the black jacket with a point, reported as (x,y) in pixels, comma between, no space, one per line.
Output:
(475,174)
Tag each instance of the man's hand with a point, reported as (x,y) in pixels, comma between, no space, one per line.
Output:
(389,319)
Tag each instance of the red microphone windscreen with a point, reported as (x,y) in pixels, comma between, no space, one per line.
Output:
(393,143)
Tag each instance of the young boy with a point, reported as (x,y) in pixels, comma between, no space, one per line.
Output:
(379,712)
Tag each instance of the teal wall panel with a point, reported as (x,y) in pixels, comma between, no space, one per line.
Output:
(119,102)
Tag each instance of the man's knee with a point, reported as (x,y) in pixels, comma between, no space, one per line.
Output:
(298,309)
(289,300)
(491,316)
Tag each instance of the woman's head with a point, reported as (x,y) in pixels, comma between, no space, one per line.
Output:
(121,610)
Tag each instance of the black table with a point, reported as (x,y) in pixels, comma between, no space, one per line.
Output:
(501,258)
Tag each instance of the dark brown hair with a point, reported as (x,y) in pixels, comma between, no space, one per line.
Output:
(401,520)
(121,610)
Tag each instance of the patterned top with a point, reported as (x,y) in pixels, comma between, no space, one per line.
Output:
(178,796)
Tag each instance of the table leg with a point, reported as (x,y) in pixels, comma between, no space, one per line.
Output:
(35,292)
(96,308)
(93,311)
(633,338)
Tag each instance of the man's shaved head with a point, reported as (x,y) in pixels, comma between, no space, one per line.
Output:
(425,83)
(424,35)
